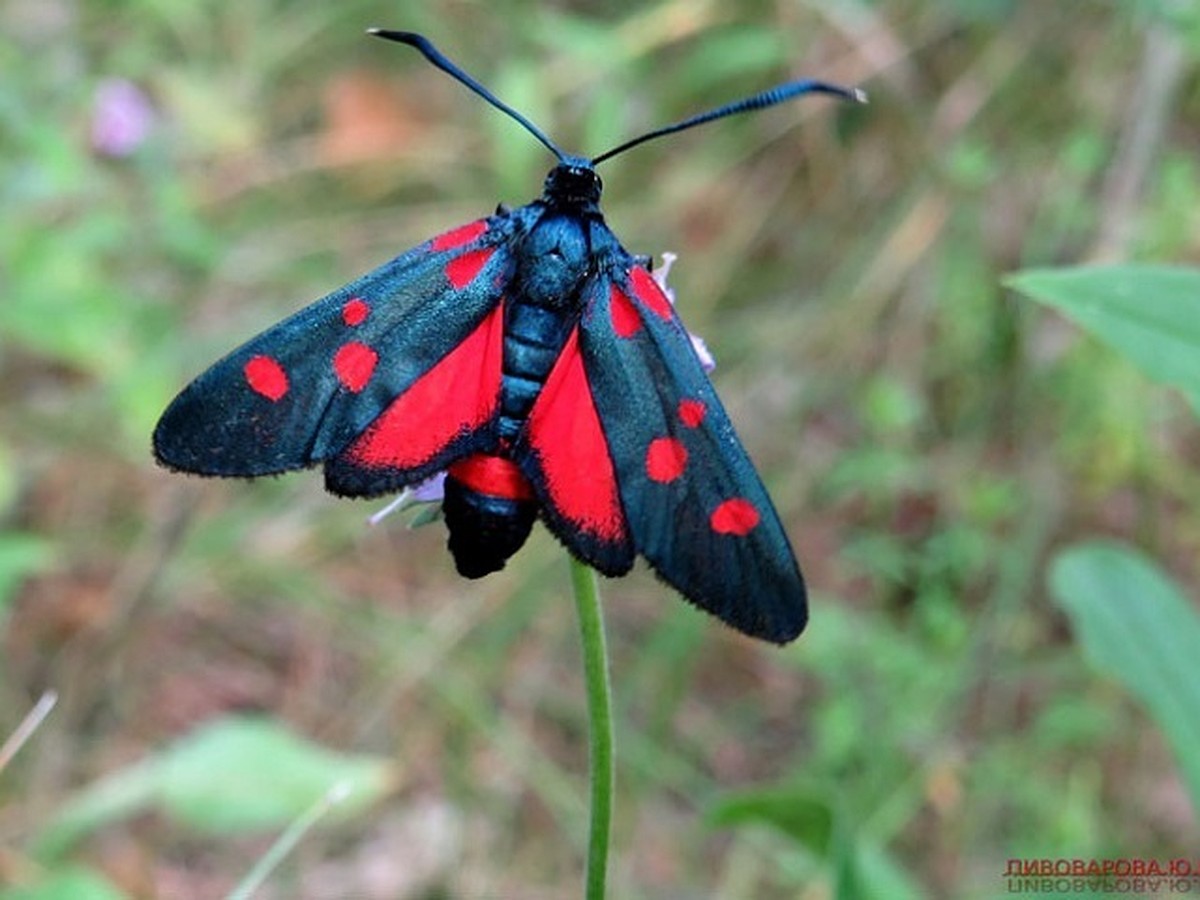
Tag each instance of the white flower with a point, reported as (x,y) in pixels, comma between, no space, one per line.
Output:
(660,277)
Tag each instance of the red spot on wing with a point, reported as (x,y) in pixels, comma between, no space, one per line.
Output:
(649,292)
(691,412)
(462,269)
(266,377)
(354,364)
(464,234)
(565,433)
(459,394)
(666,459)
(737,517)
(492,476)
(355,311)
(625,318)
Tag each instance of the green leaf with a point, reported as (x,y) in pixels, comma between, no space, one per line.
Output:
(866,871)
(71,883)
(801,813)
(860,868)
(1150,314)
(116,796)
(235,775)
(1136,626)
(245,774)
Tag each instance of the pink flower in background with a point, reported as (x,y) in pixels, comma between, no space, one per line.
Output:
(122,117)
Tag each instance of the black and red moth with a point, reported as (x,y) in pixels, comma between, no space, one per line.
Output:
(534,359)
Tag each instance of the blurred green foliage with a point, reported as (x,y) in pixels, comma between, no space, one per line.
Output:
(234,775)
(931,442)
(1138,628)
(1150,314)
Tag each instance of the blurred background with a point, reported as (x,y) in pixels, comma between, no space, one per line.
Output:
(944,452)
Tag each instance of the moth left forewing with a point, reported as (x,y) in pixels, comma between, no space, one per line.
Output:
(301,391)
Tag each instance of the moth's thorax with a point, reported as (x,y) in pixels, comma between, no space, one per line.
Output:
(553,260)
(573,184)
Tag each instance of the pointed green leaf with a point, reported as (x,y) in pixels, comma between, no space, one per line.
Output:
(250,773)
(1151,314)
(801,813)
(116,796)
(1137,627)
(859,866)
(241,773)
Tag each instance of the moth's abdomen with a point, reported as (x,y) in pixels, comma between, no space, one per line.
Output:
(533,339)
(490,509)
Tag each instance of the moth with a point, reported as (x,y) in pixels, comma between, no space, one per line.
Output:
(535,361)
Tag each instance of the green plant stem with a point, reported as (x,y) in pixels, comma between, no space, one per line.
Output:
(600,726)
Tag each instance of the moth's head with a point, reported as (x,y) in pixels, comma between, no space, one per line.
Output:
(573,182)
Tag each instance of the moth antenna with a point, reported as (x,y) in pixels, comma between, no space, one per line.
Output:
(777,94)
(436,57)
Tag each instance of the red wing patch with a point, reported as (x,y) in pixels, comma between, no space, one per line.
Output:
(462,270)
(648,291)
(625,318)
(691,412)
(565,435)
(265,376)
(459,394)
(666,458)
(492,476)
(737,517)
(354,364)
(355,312)
(460,236)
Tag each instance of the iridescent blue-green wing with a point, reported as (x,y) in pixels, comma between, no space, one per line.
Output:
(385,380)
(695,506)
